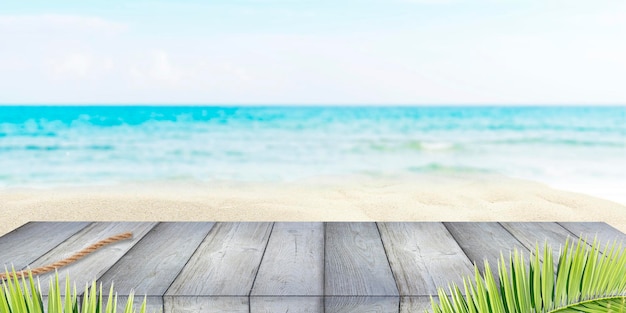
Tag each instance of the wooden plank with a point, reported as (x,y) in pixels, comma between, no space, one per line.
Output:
(153,304)
(25,244)
(415,304)
(606,233)
(186,304)
(288,304)
(153,263)
(94,265)
(531,234)
(356,264)
(371,304)
(225,263)
(293,263)
(484,241)
(423,256)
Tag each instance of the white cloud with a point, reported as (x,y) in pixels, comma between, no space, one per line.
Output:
(75,64)
(200,73)
(80,65)
(160,70)
(163,69)
(57,46)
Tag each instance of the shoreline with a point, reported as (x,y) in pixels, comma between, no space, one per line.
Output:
(423,198)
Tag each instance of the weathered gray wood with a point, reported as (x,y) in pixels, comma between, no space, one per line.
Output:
(280,265)
(92,266)
(154,304)
(484,241)
(183,304)
(606,233)
(352,304)
(415,304)
(153,263)
(293,263)
(25,244)
(423,256)
(226,262)
(356,264)
(531,234)
(288,304)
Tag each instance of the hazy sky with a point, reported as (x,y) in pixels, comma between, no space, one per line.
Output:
(313,52)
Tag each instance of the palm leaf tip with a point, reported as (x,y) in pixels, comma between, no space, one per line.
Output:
(586,279)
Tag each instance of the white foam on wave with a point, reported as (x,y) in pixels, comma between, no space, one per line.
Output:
(437,146)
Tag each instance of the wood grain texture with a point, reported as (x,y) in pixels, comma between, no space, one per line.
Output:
(605,232)
(153,263)
(282,267)
(225,263)
(97,263)
(356,263)
(294,261)
(288,304)
(415,304)
(29,242)
(484,241)
(185,304)
(531,234)
(423,256)
(361,304)
(153,304)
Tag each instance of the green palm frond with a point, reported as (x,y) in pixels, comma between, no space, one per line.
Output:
(587,279)
(22,295)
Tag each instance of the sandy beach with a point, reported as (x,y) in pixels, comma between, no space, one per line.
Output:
(424,198)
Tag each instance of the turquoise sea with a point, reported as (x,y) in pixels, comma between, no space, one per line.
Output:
(570,147)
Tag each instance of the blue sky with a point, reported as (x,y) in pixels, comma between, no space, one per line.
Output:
(313,52)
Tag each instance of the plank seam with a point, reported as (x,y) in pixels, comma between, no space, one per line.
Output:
(153,229)
(77,256)
(538,243)
(18,228)
(518,240)
(569,231)
(187,262)
(60,243)
(393,273)
(127,251)
(457,242)
(96,224)
(324,271)
(134,244)
(267,242)
(531,249)
(578,237)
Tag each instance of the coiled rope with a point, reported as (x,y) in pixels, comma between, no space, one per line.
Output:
(75,257)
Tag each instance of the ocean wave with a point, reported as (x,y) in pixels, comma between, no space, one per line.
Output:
(448,169)
(408,146)
(26,133)
(13,148)
(617,143)
(212,142)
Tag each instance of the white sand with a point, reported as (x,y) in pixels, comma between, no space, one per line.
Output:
(423,198)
